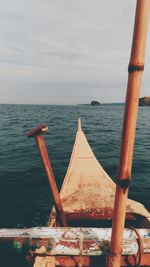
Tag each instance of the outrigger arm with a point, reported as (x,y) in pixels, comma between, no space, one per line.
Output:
(37,133)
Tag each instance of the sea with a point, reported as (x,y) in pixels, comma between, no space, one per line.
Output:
(25,196)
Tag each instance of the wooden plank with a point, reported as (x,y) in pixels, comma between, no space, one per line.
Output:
(104,214)
(96,261)
(71,241)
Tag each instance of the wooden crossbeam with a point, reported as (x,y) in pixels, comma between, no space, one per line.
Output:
(72,241)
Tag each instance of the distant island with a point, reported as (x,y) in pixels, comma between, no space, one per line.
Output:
(144,101)
(103,104)
(95,103)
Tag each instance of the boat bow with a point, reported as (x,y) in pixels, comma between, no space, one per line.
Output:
(87,191)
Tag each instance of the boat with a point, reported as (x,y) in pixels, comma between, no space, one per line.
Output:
(88,192)
(87,197)
(90,212)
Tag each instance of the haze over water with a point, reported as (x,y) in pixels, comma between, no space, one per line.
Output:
(25,198)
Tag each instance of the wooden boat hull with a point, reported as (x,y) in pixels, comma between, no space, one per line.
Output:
(87,196)
(88,192)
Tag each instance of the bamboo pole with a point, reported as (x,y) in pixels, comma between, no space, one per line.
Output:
(37,133)
(136,67)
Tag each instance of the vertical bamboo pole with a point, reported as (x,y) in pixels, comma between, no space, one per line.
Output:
(136,67)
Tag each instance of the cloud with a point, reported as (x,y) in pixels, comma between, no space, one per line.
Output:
(70,51)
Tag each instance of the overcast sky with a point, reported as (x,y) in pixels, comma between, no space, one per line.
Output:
(66,51)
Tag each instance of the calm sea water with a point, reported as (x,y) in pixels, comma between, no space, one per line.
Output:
(25,198)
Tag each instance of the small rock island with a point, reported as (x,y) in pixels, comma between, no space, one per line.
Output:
(95,103)
(144,101)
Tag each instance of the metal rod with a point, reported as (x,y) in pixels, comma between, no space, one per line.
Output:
(135,69)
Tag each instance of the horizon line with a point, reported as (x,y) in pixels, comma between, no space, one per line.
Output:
(56,104)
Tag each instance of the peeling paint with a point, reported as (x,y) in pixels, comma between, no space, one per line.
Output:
(73,241)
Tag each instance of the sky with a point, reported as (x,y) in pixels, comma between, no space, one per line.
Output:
(66,51)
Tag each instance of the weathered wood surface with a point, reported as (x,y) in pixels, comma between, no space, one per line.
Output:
(87,261)
(71,241)
(85,177)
